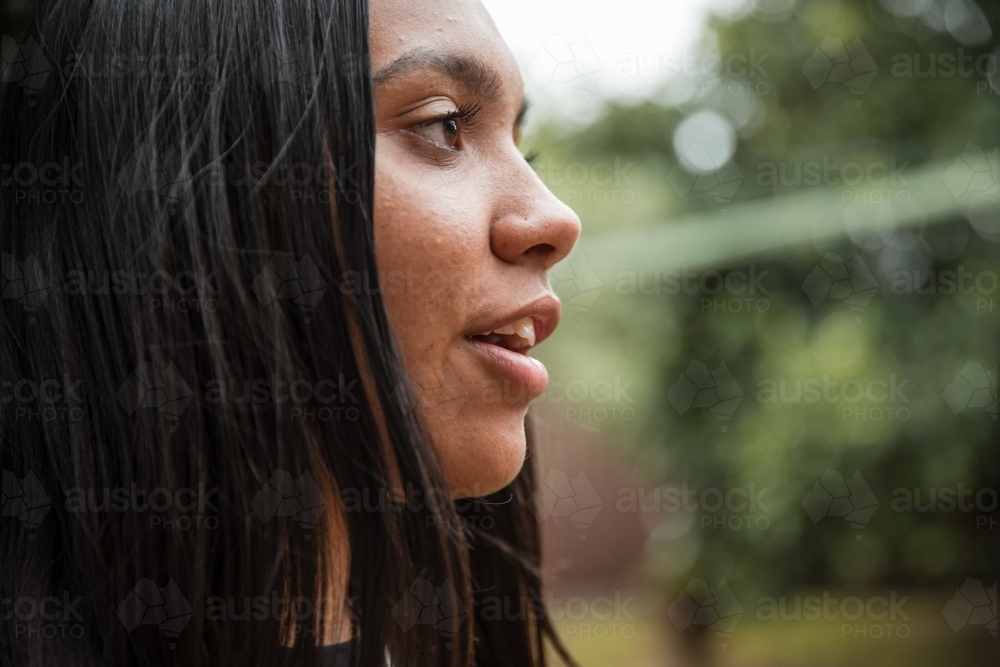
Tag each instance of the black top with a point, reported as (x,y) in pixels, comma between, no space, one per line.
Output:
(335,655)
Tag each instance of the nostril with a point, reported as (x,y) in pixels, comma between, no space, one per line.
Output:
(541,250)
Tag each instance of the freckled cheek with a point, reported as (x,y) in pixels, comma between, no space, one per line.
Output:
(432,242)
(430,282)
(444,257)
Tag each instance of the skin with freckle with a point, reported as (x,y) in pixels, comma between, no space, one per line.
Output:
(464,231)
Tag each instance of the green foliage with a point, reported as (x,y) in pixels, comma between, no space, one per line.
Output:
(915,331)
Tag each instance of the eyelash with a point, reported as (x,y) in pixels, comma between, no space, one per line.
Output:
(466,115)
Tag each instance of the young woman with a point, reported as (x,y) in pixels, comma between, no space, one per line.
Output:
(269,303)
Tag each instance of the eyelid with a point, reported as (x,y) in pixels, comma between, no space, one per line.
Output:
(467,113)
(452,115)
(465,117)
(431,123)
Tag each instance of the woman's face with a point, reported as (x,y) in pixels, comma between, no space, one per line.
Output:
(464,232)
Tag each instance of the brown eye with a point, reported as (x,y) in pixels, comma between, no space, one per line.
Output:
(443,132)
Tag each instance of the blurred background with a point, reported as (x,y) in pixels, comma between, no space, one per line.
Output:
(771,435)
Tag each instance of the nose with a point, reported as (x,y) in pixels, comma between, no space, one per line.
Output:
(532,226)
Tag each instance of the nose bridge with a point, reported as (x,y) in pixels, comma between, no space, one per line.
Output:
(532,224)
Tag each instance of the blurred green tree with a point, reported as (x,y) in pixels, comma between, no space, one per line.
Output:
(852,98)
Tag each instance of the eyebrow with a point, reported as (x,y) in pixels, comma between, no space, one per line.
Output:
(475,75)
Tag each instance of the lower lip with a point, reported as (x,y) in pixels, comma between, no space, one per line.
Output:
(519,369)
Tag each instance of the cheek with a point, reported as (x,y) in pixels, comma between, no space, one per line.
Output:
(434,256)
(432,243)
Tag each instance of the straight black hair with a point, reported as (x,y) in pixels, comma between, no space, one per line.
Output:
(190,397)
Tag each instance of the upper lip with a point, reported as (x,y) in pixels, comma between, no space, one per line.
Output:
(544,312)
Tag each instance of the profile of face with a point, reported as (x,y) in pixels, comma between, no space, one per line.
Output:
(465,232)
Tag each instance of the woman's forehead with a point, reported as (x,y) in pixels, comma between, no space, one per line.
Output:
(463,29)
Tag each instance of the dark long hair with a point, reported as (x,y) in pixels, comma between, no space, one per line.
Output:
(189,394)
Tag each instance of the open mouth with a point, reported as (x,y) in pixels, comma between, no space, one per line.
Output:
(505,347)
(518,336)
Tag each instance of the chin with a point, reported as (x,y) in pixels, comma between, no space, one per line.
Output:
(482,455)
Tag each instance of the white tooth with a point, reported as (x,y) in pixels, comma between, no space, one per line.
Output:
(507,330)
(526,329)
